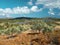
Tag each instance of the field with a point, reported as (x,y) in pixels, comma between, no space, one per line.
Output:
(30,31)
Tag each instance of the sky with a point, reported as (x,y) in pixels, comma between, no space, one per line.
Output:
(29,8)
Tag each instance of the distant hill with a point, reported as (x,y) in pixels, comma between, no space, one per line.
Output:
(23,18)
(35,18)
(28,18)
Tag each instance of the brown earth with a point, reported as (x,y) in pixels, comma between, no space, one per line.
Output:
(27,39)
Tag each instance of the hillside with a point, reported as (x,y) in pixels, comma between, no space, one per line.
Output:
(30,31)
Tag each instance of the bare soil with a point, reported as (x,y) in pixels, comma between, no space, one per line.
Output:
(26,39)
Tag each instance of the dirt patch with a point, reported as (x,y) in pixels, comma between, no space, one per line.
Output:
(27,39)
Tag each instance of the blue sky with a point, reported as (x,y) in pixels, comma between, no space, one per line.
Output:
(29,8)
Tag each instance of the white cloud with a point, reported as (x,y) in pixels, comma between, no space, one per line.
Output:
(59,14)
(25,10)
(34,8)
(21,10)
(53,5)
(40,9)
(49,3)
(51,12)
(8,16)
(18,10)
(30,2)
(8,11)
(44,1)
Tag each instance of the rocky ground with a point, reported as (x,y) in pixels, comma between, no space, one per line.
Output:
(31,39)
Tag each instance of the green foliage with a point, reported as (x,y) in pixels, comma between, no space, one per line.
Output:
(45,27)
(11,27)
